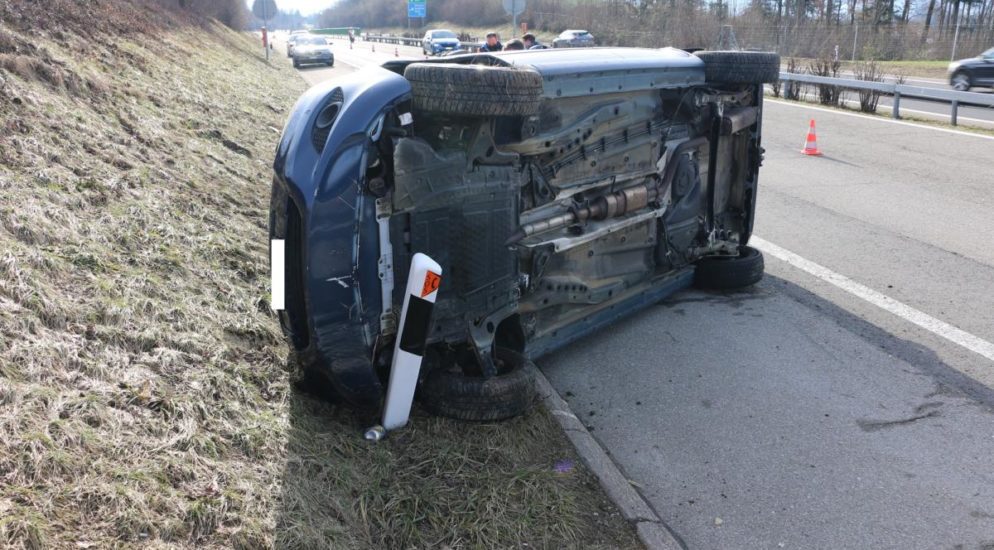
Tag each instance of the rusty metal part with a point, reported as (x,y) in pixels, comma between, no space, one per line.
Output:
(611,205)
(737,119)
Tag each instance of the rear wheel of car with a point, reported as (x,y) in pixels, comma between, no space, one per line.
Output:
(477,90)
(452,392)
(730,272)
(722,67)
(961,82)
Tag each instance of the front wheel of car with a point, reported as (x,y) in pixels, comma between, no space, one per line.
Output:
(452,392)
(475,90)
(734,67)
(296,64)
(961,82)
(729,272)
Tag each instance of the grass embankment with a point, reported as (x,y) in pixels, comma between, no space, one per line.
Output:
(909,69)
(850,104)
(145,398)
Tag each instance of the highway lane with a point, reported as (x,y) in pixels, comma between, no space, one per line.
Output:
(796,414)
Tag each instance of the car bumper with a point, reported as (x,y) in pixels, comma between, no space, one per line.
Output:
(318,208)
(315,58)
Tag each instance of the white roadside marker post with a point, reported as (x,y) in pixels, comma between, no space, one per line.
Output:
(415,319)
(277,263)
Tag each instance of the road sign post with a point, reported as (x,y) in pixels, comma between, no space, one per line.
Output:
(514,8)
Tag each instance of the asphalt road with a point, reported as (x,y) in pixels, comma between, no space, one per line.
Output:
(815,411)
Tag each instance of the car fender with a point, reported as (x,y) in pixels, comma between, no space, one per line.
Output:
(338,227)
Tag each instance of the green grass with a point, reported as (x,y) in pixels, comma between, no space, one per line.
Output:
(923,69)
(146,398)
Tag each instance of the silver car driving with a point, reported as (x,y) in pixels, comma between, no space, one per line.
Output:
(573,38)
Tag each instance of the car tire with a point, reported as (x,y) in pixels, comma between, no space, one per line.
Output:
(961,82)
(730,272)
(723,67)
(296,64)
(474,89)
(454,394)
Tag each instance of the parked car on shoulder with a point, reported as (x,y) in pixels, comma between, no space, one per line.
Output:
(573,39)
(973,72)
(292,40)
(439,41)
(312,49)
(558,190)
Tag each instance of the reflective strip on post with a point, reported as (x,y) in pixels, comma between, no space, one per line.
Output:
(277,266)
(423,281)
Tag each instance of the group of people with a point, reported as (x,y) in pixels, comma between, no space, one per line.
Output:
(526,42)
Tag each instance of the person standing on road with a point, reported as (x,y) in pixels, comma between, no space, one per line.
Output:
(514,45)
(493,44)
(529,41)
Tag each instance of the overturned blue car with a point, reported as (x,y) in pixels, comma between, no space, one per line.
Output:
(558,189)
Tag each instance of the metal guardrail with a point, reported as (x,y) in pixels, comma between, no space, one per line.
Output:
(387,39)
(898,91)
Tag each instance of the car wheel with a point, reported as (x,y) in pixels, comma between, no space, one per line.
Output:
(296,64)
(331,63)
(961,82)
(452,393)
(722,67)
(730,272)
(474,89)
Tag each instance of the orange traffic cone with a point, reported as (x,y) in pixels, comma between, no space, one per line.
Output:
(372,47)
(811,146)
(395,52)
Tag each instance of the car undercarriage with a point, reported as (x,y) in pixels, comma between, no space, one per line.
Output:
(557,193)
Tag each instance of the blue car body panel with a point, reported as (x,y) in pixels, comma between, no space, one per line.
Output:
(337,273)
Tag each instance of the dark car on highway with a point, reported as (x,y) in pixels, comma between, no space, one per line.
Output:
(973,72)
(311,50)
(559,190)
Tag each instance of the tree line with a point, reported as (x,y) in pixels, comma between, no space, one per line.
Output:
(880,29)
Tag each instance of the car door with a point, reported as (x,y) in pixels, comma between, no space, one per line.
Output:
(985,69)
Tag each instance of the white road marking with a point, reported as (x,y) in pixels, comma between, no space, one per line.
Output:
(877,119)
(277,274)
(935,326)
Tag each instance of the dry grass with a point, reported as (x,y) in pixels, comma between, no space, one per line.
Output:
(144,395)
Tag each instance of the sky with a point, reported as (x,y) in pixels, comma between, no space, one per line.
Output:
(306,7)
